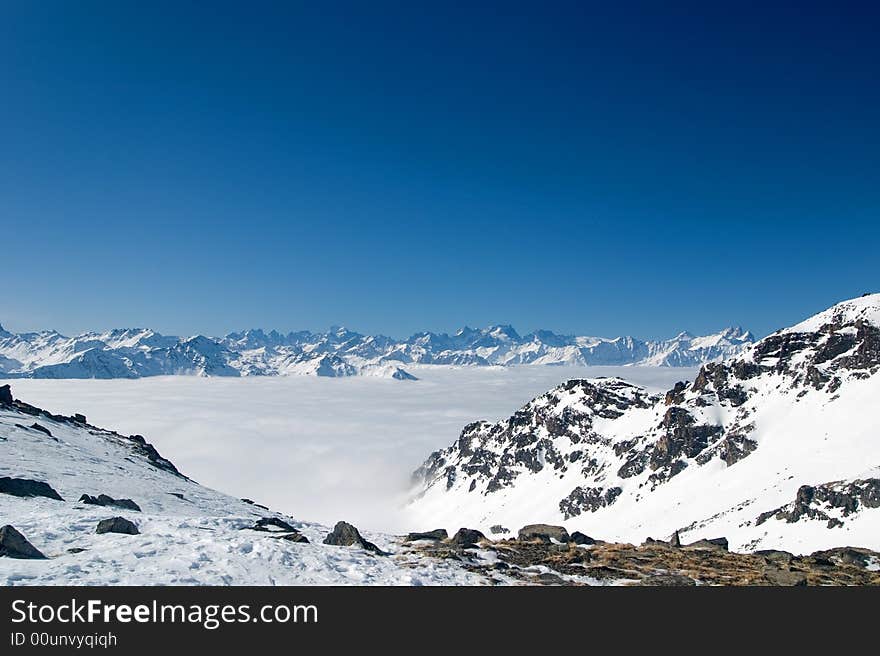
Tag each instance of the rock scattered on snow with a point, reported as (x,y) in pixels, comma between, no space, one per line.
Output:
(436,534)
(104,500)
(25,487)
(346,535)
(467,537)
(117,525)
(14,545)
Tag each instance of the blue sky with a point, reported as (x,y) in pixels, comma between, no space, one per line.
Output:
(393,168)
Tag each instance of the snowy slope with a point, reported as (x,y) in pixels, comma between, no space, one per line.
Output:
(189,534)
(776,448)
(135,353)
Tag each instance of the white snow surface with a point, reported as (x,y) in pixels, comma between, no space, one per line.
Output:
(198,540)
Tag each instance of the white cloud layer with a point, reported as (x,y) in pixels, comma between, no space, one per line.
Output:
(318,449)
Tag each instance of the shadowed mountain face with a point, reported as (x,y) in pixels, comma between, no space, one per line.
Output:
(778,441)
(134,353)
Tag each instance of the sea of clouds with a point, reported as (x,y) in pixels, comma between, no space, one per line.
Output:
(320,449)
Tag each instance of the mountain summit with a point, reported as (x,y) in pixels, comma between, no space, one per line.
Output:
(134,353)
(776,446)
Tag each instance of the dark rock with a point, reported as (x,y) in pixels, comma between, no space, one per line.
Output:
(810,501)
(497,529)
(580,538)
(24,487)
(42,429)
(676,394)
(667,580)
(14,545)
(104,500)
(548,578)
(346,535)
(75,550)
(117,525)
(78,418)
(716,544)
(271,524)
(436,534)
(782,577)
(582,499)
(776,556)
(6,395)
(675,540)
(254,503)
(544,533)
(178,495)
(294,537)
(467,537)
(846,556)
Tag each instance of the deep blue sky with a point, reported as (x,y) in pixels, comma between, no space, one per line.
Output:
(589,169)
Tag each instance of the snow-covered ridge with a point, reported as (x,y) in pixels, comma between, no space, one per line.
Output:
(59,476)
(134,353)
(776,447)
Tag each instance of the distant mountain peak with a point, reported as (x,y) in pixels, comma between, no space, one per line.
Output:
(138,352)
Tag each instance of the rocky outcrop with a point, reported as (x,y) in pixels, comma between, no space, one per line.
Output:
(117,525)
(821,502)
(14,545)
(588,446)
(657,563)
(104,500)
(467,537)
(25,487)
(544,533)
(436,534)
(346,535)
(5,395)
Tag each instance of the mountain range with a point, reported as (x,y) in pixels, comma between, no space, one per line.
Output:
(774,447)
(135,353)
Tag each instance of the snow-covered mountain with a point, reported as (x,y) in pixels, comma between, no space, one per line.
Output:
(777,447)
(61,476)
(134,353)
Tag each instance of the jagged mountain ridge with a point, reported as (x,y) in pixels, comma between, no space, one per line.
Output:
(777,446)
(135,353)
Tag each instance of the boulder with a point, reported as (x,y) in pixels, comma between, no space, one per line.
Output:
(776,556)
(467,537)
(715,544)
(667,580)
(24,487)
(346,535)
(544,533)
(782,577)
(5,395)
(42,429)
(272,524)
(104,500)
(580,538)
(296,536)
(117,525)
(436,534)
(14,545)
(675,540)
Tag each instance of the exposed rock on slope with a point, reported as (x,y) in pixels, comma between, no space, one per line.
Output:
(714,455)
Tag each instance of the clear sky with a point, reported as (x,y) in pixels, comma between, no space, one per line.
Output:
(586,168)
